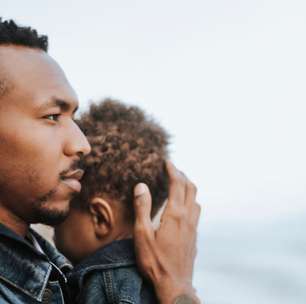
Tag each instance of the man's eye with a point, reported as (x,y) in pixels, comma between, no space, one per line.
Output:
(54,117)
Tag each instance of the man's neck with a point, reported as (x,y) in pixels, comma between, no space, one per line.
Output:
(13,222)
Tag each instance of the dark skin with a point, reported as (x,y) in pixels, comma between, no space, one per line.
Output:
(166,256)
(39,139)
(40,145)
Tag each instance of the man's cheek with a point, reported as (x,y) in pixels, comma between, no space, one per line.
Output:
(37,182)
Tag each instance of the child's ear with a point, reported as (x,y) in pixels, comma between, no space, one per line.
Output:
(102,215)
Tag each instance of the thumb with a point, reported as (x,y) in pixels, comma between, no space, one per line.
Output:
(142,204)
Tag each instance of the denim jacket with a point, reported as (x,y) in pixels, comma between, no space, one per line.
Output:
(110,276)
(28,275)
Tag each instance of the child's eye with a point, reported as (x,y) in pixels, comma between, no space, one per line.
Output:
(54,117)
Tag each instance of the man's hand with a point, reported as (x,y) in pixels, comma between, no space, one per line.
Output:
(166,256)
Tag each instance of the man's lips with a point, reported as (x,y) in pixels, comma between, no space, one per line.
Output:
(72,179)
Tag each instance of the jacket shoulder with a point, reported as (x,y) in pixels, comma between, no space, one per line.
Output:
(119,285)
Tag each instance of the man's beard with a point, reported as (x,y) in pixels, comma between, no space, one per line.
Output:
(47,216)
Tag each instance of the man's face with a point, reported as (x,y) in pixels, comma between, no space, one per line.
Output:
(39,142)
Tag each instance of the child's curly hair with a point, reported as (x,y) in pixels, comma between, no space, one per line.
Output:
(128,147)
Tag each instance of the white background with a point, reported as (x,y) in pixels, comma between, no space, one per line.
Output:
(227,79)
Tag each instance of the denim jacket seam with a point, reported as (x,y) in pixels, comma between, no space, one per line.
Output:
(81,273)
(44,268)
(109,286)
(19,282)
(127,299)
(45,283)
(28,293)
(60,289)
(108,266)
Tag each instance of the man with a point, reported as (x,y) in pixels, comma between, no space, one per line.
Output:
(40,147)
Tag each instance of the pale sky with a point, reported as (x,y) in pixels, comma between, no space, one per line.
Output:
(226,78)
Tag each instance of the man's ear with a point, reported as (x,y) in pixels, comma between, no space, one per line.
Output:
(102,215)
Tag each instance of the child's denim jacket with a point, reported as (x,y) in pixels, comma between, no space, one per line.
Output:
(110,275)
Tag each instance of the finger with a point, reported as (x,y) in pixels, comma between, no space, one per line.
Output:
(191,193)
(177,183)
(195,214)
(142,206)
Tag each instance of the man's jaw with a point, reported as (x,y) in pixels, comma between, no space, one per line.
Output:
(53,207)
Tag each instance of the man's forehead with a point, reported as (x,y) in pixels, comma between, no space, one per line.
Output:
(36,75)
(5,83)
(16,50)
(20,62)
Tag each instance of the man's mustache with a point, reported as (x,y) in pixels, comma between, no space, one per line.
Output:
(76,165)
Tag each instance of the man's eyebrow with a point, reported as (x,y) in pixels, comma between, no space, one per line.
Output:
(64,105)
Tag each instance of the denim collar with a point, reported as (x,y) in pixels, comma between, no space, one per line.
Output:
(24,267)
(114,255)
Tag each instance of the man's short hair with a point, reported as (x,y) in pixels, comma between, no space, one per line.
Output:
(13,34)
(128,147)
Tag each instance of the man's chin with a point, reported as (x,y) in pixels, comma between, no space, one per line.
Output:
(52,215)
(53,208)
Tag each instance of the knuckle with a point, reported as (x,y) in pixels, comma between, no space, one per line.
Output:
(182,182)
(140,227)
(175,178)
(183,178)
(192,226)
(178,178)
(143,229)
(192,187)
(179,214)
(146,266)
(198,208)
(139,201)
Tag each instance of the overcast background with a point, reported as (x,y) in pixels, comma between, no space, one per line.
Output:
(227,79)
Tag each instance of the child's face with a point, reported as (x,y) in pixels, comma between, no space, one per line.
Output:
(85,231)
(75,237)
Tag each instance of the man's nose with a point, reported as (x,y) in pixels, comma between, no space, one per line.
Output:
(77,143)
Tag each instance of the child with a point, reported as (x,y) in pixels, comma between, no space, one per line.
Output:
(127,148)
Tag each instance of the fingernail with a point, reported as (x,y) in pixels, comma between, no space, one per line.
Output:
(140,189)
